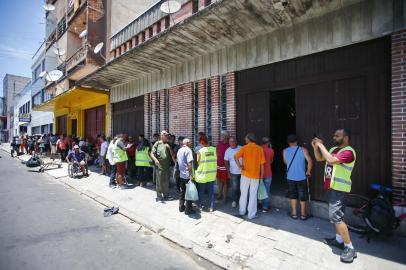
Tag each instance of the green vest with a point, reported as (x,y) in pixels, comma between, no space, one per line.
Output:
(341,174)
(119,154)
(142,158)
(207,169)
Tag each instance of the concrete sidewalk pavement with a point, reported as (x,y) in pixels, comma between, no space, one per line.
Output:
(272,241)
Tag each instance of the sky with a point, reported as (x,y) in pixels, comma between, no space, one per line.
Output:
(22,31)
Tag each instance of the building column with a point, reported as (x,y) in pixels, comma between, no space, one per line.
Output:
(398,102)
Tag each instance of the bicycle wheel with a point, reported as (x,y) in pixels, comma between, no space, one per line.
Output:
(356,208)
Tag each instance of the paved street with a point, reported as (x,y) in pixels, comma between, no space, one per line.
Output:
(273,241)
(43,226)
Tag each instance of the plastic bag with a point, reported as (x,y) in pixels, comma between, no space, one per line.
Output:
(191,192)
(262,194)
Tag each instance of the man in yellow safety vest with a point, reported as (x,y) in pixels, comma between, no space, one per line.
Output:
(340,161)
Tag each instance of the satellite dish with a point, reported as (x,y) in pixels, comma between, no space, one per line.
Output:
(98,47)
(54,75)
(170,6)
(49,7)
(83,33)
(59,51)
(42,74)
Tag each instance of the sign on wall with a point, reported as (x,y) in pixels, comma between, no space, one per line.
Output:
(24,117)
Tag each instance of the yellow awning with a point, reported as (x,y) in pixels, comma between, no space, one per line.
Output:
(77,97)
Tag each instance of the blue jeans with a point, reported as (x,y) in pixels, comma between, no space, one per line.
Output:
(235,187)
(202,187)
(267,202)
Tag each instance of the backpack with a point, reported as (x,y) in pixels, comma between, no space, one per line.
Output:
(380,216)
(33,162)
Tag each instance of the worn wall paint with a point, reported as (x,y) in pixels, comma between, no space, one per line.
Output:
(355,23)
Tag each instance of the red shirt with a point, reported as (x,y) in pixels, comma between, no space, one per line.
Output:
(221,150)
(344,157)
(269,154)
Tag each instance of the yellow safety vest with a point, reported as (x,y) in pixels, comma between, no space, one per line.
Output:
(142,158)
(119,154)
(341,174)
(207,169)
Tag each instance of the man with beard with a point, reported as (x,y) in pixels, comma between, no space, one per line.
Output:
(340,161)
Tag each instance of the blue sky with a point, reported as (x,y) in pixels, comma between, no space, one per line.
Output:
(22,30)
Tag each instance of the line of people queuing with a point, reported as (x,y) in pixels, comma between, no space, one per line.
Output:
(241,167)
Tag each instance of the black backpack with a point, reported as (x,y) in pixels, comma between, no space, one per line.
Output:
(380,216)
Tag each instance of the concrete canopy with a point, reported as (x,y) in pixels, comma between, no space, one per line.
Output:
(223,23)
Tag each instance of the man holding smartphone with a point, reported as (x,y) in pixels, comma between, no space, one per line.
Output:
(340,161)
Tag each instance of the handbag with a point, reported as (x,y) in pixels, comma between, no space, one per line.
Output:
(191,192)
(290,163)
(262,194)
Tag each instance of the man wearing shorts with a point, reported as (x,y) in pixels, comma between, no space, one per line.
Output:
(120,158)
(295,158)
(340,161)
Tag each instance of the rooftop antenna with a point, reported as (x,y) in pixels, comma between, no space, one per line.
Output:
(97,50)
(52,75)
(83,33)
(49,7)
(170,6)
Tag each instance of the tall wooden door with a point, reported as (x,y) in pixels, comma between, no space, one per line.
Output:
(128,116)
(256,115)
(95,122)
(346,103)
(62,124)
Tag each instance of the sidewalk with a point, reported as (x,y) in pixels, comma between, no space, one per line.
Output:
(272,241)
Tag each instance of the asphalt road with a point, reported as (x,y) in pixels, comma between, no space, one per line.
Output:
(44,225)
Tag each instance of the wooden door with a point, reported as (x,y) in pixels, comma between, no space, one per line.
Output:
(345,103)
(95,122)
(62,123)
(255,114)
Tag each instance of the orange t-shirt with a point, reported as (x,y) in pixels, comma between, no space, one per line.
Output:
(253,157)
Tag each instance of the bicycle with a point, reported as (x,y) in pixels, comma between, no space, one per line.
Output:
(373,216)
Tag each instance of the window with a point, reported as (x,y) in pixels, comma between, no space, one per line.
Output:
(208,109)
(158,27)
(195,6)
(158,112)
(43,64)
(150,32)
(150,116)
(167,109)
(35,74)
(195,121)
(46,95)
(61,26)
(167,22)
(37,99)
(223,102)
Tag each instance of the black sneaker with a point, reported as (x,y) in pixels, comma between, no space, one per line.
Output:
(348,255)
(333,243)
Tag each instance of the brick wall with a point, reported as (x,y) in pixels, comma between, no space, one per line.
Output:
(399,114)
(181,108)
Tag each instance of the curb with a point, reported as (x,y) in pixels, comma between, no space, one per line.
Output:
(176,238)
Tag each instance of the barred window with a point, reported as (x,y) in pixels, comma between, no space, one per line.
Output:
(208,110)
(195,121)
(150,117)
(167,109)
(158,112)
(223,102)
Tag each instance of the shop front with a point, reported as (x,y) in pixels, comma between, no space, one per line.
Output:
(79,111)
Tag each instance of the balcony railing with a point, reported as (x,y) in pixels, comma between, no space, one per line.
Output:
(76,58)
